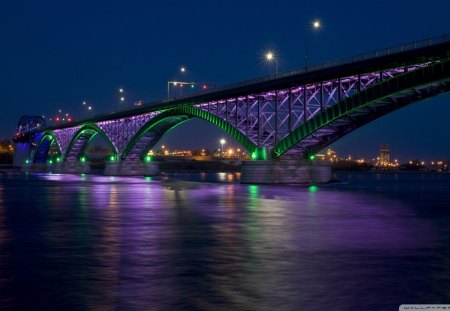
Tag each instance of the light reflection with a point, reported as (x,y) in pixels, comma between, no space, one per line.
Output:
(3,230)
(131,232)
(222,176)
(113,197)
(253,194)
(202,176)
(230,177)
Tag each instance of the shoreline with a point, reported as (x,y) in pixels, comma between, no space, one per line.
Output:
(389,172)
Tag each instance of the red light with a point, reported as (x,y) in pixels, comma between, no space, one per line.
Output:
(69,119)
(204,86)
(181,84)
(57,119)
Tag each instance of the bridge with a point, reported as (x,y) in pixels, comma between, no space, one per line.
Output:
(289,115)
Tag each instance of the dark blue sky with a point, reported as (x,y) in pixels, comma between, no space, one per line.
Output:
(55,54)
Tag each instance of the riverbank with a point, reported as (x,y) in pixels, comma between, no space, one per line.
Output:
(8,167)
(388,172)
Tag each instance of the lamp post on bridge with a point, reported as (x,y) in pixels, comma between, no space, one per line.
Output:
(314,26)
(176,83)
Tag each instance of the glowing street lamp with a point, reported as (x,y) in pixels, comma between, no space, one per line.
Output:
(315,25)
(270,57)
(183,69)
(121,98)
(222,142)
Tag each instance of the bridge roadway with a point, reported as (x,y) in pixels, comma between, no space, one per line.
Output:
(288,115)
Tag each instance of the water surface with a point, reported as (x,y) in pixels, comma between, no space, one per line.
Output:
(206,242)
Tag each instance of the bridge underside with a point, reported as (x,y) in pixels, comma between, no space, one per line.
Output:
(149,135)
(47,144)
(79,145)
(364,107)
(340,127)
(43,149)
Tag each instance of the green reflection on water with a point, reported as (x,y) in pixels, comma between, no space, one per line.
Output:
(253,193)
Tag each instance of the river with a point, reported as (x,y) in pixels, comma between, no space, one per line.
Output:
(207,242)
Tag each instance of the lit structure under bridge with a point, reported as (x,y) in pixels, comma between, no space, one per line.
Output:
(287,115)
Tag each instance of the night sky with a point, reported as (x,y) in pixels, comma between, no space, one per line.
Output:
(56,54)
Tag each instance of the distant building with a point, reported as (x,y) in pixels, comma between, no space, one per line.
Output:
(384,154)
(331,155)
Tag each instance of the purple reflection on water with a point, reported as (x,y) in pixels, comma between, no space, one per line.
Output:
(165,243)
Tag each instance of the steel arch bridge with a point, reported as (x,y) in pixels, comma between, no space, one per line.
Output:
(292,114)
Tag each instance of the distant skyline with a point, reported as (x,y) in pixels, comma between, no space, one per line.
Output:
(57,54)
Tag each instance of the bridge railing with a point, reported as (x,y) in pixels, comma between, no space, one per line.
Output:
(342,61)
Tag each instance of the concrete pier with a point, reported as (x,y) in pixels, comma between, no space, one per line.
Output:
(36,168)
(131,168)
(58,168)
(285,172)
(22,152)
(72,168)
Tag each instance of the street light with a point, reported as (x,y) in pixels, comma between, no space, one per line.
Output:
(315,25)
(222,142)
(177,83)
(121,98)
(270,56)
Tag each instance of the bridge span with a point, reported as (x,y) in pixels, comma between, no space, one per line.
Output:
(289,115)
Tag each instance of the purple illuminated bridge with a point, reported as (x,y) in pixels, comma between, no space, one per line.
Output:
(287,115)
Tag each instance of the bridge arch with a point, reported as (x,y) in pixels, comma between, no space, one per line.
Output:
(362,108)
(155,128)
(82,138)
(47,140)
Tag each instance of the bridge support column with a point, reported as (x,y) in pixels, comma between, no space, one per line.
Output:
(285,172)
(131,168)
(261,153)
(22,154)
(38,168)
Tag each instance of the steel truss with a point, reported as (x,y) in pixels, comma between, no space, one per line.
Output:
(268,117)
(265,118)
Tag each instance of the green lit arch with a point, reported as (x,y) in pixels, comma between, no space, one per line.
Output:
(438,72)
(190,112)
(97,130)
(47,135)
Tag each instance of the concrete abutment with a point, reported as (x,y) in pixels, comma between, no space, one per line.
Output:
(285,172)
